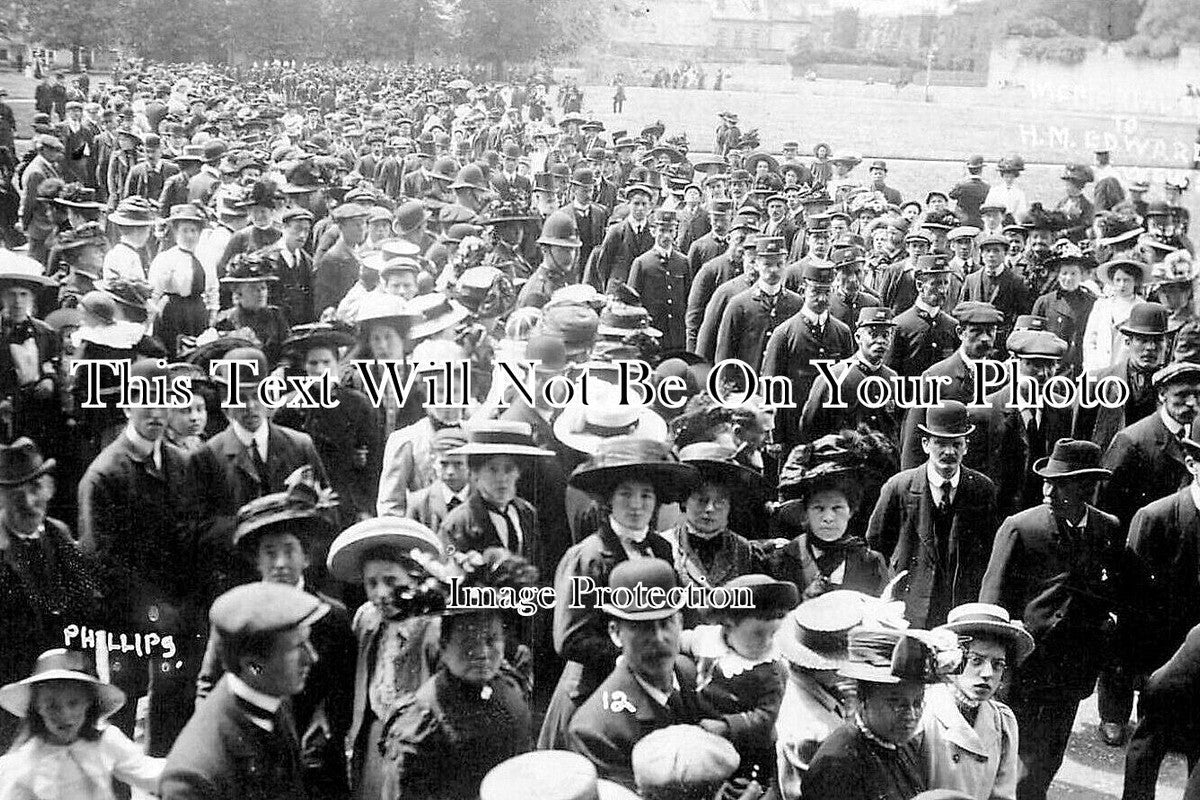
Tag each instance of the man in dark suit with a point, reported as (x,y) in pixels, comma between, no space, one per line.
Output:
(716,241)
(743,245)
(129,521)
(293,266)
(809,335)
(997,285)
(149,176)
(242,740)
(652,686)
(977,324)
(278,534)
(925,333)
(44,165)
(660,276)
(849,297)
(971,192)
(779,222)
(623,242)
(896,283)
(1147,334)
(713,274)
(1053,566)
(78,136)
(591,219)
(509,183)
(418,183)
(744,325)
(937,521)
(337,268)
(1017,437)
(250,458)
(873,332)
(878,172)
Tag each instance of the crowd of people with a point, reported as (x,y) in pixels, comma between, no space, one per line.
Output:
(226,597)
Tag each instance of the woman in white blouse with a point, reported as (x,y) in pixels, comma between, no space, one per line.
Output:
(179,281)
(1103,343)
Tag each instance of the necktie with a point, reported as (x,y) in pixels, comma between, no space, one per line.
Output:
(943,497)
(454,503)
(260,466)
(285,726)
(511,540)
(197,276)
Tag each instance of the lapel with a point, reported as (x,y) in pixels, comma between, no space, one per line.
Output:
(980,739)
(481,523)
(921,502)
(238,455)
(278,455)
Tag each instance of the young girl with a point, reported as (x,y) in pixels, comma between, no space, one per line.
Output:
(1103,343)
(740,676)
(66,750)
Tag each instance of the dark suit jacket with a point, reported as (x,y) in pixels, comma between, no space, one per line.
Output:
(1164,545)
(739,321)
(847,310)
(509,190)
(902,529)
(617,252)
(223,479)
(1063,589)
(1147,463)
(921,340)
(1009,454)
(1007,292)
(896,286)
(469,527)
(1100,424)
(663,284)
(222,755)
(129,519)
(149,184)
(592,227)
(336,271)
(703,250)
(818,419)
(619,713)
(960,387)
(970,194)
(792,348)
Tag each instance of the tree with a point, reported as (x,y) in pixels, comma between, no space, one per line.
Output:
(1163,26)
(76,24)
(500,32)
(1108,20)
(152,29)
(845,28)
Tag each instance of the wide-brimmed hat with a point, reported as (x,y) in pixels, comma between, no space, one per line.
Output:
(21,462)
(993,621)
(815,635)
(549,775)
(1149,319)
(621,319)
(59,665)
(249,268)
(20,269)
(317,334)
(1072,458)
(133,293)
(582,426)
(303,508)
(715,463)
(882,654)
(620,458)
(187,212)
(639,602)
(1105,271)
(399,535)
(437,313)
(381,308)
(134,212)
(949,420)
(497,437)
(1176,269)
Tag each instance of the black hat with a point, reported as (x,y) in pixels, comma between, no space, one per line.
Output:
(1072,458)
(303,508)
(21,462)
(949,420)
(626,457)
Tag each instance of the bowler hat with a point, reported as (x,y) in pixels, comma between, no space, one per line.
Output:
(395,535)
(991,621)
(1072,458)
(949,420)
(634,458)
(60,665)
(471,177)
(1148,319)
(647,585)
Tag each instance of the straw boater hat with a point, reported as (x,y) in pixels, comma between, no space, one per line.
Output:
(303,509)
(399,535)
(496,437)
(815,634)
(438,313)
(379,308)
(549,775)
(581,426)
(633,457)
(985,619)
(59,665)
(17,269)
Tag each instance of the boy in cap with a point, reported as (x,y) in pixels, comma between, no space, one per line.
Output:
(624,241)
(998,285)
(430,505)
(243,738)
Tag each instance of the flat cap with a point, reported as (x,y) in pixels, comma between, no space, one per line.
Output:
(973,312)
(350,211)
(993,239)
(1177,372)
(1036,344)
(682,756)
(263,608)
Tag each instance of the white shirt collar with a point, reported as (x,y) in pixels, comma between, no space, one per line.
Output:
(766,288)
(937,480)
(814,319)
(144,446)
(657,694)
(921,305)
(267,703)
(258,438)
(628,534)
(1173,426)
(448,494)
(1195,490)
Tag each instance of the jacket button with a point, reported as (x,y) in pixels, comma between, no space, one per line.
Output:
(956,758)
